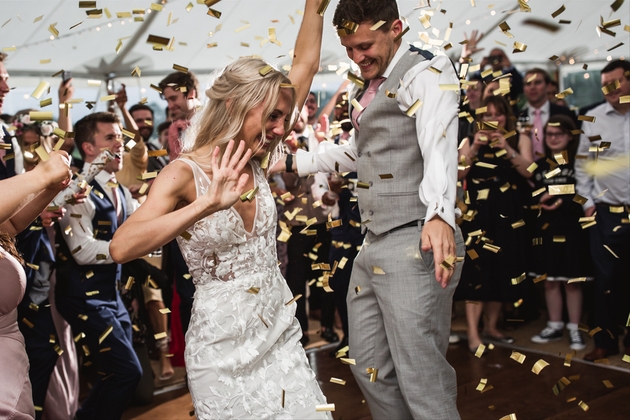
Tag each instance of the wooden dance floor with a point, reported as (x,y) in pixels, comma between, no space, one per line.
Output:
(584,390)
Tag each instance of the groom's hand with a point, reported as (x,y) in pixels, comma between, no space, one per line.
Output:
(437,236)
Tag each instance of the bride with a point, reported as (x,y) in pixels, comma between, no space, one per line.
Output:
(243,356)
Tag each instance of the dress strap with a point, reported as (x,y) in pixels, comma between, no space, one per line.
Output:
(202,181)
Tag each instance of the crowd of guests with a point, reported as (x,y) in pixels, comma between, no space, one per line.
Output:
(538,202)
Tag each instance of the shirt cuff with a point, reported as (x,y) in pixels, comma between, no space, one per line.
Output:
(305,163)
(442,209)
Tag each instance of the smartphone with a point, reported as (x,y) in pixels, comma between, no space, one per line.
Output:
(66,75)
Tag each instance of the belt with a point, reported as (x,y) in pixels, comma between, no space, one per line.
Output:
(408,225)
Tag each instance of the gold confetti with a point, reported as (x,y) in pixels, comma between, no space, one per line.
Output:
(377,25)
(347,361)
(611,251)
(105,333)
(263,321)
(413,108)
(583,405)
(40,89)
(519,279)
(539,366)
(518,224)
(253,290)
(179,68)
(242,28)
(325,407)
(540,278)
(400,35)
(377,270)
(337,381)
(322,7)
(561,189)
(159,336)
(480,350)
(295,298)
(567,360)
(519,357)
(558,12)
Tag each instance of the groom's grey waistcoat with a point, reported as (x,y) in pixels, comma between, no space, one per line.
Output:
(389,158)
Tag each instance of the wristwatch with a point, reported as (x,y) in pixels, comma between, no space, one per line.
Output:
(289,163)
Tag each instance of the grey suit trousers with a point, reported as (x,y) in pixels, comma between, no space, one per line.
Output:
(399,324)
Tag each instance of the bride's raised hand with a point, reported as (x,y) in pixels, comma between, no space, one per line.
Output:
(228,182)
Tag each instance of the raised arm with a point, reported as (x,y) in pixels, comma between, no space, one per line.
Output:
(26,195)
(159,220)
(307,51)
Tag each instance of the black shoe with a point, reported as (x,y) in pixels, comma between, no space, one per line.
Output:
(329,335)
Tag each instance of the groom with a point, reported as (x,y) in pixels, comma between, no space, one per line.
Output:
(405,153)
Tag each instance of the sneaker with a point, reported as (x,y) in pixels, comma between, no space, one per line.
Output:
(577,342)
(547,335)
(453,339)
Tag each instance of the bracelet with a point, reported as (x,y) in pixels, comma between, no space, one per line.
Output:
(289,163)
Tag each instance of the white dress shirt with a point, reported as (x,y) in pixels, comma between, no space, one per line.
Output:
(82,233)
(17,150)
(436,124)
(612,173)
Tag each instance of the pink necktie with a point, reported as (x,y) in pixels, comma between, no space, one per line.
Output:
(367,97)
(538,135)
(115,199)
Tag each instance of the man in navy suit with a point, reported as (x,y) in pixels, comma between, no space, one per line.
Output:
(538,108)
(88,280)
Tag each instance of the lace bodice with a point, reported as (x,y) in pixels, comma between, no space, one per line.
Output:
(220,248)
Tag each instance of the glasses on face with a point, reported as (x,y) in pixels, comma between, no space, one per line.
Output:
(552,135)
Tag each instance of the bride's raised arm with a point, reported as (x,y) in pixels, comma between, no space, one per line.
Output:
(307,51)
(157,221)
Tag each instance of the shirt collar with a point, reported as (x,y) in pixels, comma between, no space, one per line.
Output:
(399,54)
(103,177)
(545,109)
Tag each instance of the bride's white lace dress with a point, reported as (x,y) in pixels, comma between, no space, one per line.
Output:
(242,347)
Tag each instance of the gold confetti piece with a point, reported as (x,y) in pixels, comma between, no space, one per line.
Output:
(482,384)
(615,47)
(40,89)
(377,25)
(87,4)
(108,98)
(626,358)
(325,407)
(558,12)
(519,357)
(53,30)
(531,168)
(253,290)
(400,35)
(518,224)
(480,350)
(561,189)
(45,102)
(27,323)
(38,18)
(322,7)
(154,6)
(242,28)
(92,293)
(608,384)
(263,321)
(7,49)
(105,334)
(414,108)
(337,381)
(373,372)
(159,336)
(519,279)
(625,99)
(89,274)
(386,176)
(454,86)
(179,68)
(347,361)
(186,235)
(539,366)
(189,7)
(583,405)
(34,307)
(295,298)
(611,251)
(577,280)
(356,105)
(265,70)
(377,270)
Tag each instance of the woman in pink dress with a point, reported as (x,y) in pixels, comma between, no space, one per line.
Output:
(24,198)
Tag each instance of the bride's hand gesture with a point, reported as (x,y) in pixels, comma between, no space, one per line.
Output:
(228,182)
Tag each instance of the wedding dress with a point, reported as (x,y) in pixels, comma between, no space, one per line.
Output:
(243,356)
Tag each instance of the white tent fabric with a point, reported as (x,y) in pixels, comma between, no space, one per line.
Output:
(88,46)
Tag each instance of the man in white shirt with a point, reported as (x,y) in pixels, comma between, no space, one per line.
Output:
(602,170)
(405,155)
(87,278)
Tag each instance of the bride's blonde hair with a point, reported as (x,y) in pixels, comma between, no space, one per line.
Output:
(238,89)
